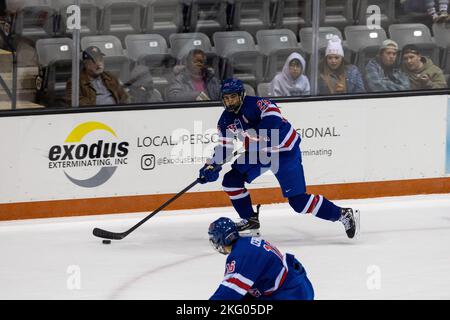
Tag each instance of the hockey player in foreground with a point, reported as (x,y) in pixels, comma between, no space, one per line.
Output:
(267,135)
(255,268)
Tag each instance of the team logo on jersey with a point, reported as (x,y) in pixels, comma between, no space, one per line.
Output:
(254,292)
(230,267)
(273,249)
(236,126)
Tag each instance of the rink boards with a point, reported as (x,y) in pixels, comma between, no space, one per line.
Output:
(131,161)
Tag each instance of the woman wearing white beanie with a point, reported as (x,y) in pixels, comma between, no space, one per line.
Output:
(336,75)
(291,81)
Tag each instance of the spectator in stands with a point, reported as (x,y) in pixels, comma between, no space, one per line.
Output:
(194,81)
(140,86)
(418,6)
(438,16)
(336,74)
(291,81)
(422,72)
(382,74)
(97,87)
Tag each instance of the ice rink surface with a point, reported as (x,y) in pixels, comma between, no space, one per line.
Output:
(403,253)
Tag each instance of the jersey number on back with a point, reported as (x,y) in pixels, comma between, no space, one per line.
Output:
(273,249)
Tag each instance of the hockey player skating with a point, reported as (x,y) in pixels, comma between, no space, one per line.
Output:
(255,268)
(273,144)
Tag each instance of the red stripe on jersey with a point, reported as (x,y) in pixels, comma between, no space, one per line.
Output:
(237,192)
(291,138)
(313,204)
(239,283)
(283,277)
(272,109)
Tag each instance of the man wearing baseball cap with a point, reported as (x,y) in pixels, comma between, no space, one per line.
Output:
(382,73)
(97,86)
(422,72)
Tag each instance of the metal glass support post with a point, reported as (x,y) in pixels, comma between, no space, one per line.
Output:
(74,23)
(315,47)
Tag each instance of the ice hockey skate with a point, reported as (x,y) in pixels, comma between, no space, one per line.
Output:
(250,227)
(350,220)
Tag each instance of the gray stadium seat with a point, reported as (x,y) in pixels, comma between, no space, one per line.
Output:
(264,90)
(55,67)
(163,17)
(227,43)
(361,37)
(251,15)
(208,16)
(182,43)
(242,59)
(325,33)
(277,45)
(387,8)
(336,13)
(442,39)
(115,60)
(409,33)
(249,90)
(364,55)
(418,34)
(151,50)
(140,45)
(120,18)
(53,49)
(139,77)
(36,19)
(293,14)
(441,34)
(109,45)
(272,40)
(89,16)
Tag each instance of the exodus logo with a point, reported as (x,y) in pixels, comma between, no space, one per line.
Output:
(74,154)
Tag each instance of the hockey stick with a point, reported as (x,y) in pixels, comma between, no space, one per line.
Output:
(120,235)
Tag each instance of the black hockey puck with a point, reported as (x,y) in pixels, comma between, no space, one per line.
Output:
(106,241)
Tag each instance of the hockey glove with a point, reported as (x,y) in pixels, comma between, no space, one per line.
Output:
(209,173)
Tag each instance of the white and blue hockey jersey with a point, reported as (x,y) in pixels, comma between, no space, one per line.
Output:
(264,117)
(254,266)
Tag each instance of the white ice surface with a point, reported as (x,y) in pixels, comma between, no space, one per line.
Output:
(403,253)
